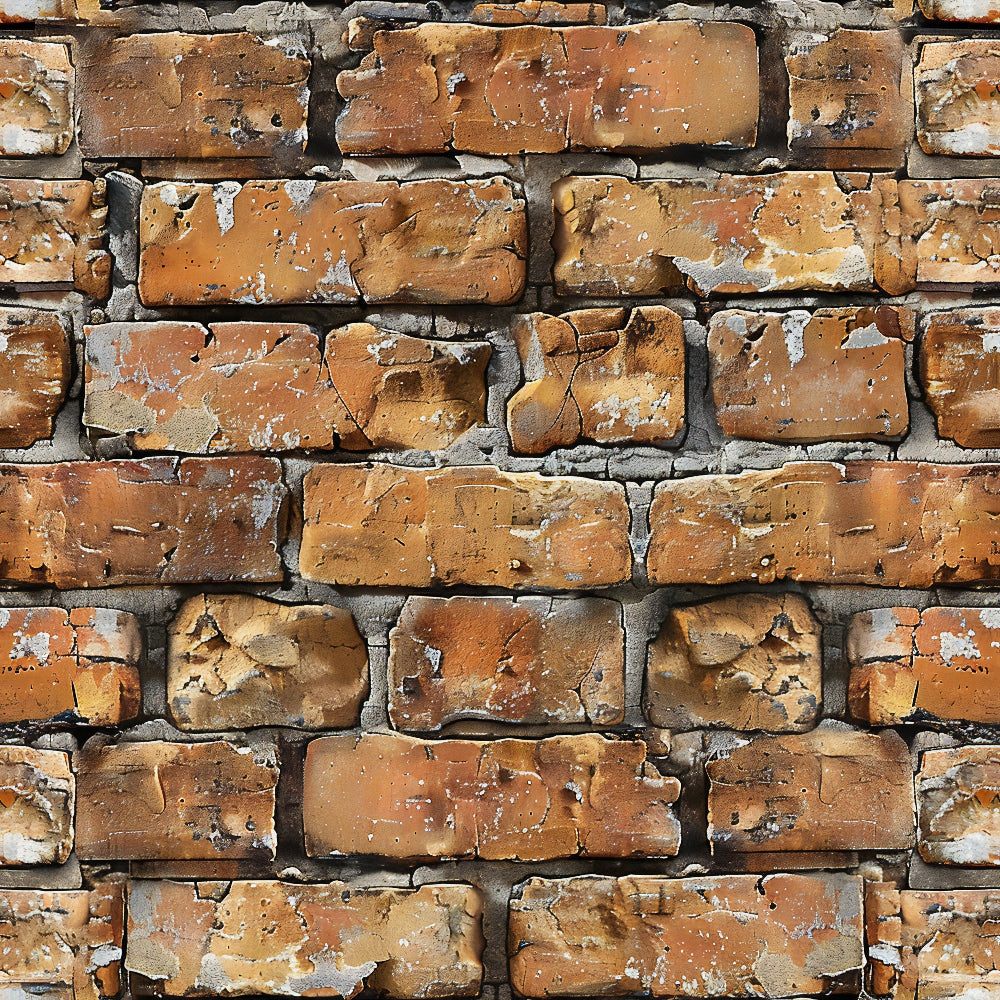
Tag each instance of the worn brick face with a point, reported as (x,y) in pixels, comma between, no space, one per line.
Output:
(506,799)
(533,660)
(979,11)
(540,12)
(36,98)
(26,11)
(36,807)
(721,936)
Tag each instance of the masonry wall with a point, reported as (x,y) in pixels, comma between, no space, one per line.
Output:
(499,500)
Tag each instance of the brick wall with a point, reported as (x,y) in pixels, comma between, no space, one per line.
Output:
(499,500)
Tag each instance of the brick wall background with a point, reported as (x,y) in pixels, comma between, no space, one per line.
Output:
(499,499)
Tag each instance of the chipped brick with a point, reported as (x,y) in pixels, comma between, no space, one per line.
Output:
(235,661)
(539,12)
(270,387)
(36,807)
(36,98)
(301,241)
(533,660)
(976,11)
(605,375)
(561,797)
(747,662)
(26,11)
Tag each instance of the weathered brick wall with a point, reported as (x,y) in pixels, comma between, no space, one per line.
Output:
(499,499)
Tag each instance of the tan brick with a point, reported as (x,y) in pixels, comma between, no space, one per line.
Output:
(392,526)
(851,99)
(533,660)
(263,937)
(535,89)
(270,387)
(606,375)
(26,11)
(235,661)
(34,376)
(80,666)
(715,936)
(747,662)
(300,241)
(960,374)
(174,801)
(531,800)
(98,524)
(732,235)
(909,666)
(979,11)
(36,98)
(52,232)
(36,807)
(540,12)
(890,524)
(835,374)
(66,944)
(191,96)
(832,789)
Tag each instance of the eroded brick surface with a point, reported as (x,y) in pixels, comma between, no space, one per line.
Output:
(36,98)
(393,526)
(540,12)
(274,387)
(534,661)
(981,11)
(36,807)
(603,375)
(235,661)
(300,241)
(745,662)
(158,800)
(721,936)
(517,799)
(835,374)
(828,790)
(26,11)
(264,937)
(905,524)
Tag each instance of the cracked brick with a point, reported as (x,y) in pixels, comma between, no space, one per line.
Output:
(36,98)
(36,807)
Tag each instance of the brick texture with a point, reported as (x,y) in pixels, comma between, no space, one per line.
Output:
(36,93)
(36,807)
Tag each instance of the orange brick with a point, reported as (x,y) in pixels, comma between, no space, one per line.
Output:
(26,11)
(36,807)
(36,98)
(979,11)
(540,12)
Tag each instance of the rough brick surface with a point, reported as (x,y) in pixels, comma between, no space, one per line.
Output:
(272,387)
(906,524)
(982,11)
(36,96)
(262,937)
(537,89)
(26,11)
(507,799)
(299,241)
(539,12)
(175,801)
(392,526)
(533,660)
(722,936)
(603,375)
(835,374)
(828,790)
(235,661)
(745,662)
(36,807)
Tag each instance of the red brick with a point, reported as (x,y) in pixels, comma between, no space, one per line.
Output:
(506,799)
(36,807)
(36,98)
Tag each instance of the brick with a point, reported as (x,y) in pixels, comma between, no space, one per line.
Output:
(301,241)
(715,936)
(235,661)
(960,374)
(958,103)
(98,524)
(523,800)
(70,940)
(850,97)
(957,801)
(533,660)
(832,789)
(79,666)
(191,96)
(52,232)
(536,89)
(913,666)
(263,937)
(890,524)
(34,376)
(751,661)
(979,11)
(834,374)
(605,375)
(147,801)
(731,235)
(392,526)
(26,11)
(36,98)
(271,387)
(539,12)
(36,807)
